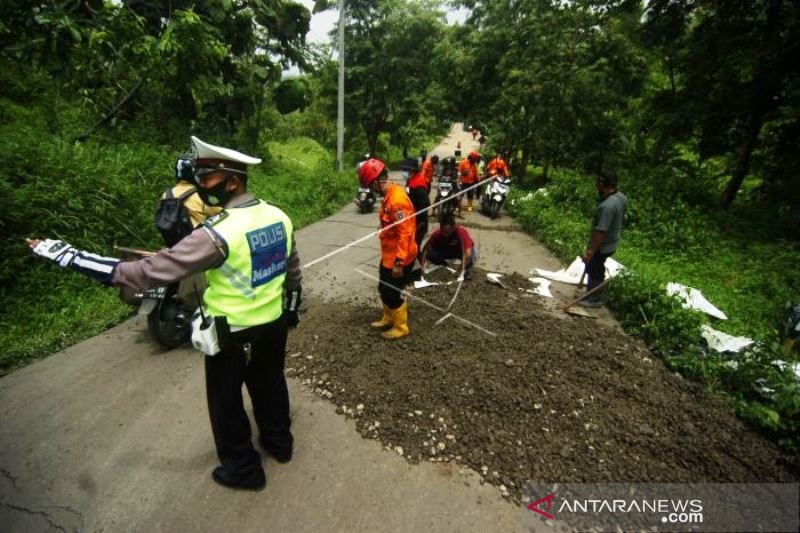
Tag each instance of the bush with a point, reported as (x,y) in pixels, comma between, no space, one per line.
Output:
(97,195)
(737,259)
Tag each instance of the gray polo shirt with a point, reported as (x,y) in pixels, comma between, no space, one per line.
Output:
(608,218)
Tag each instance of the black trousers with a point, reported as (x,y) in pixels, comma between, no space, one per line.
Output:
(263,375)
(422,229)
(596,269)
(390,287)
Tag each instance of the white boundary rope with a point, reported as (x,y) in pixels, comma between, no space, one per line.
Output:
(393,224)
(436,307)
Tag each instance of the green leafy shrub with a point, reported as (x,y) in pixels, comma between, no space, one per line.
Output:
(740,260)
(101,194)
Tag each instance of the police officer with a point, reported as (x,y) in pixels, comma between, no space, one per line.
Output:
(250,258)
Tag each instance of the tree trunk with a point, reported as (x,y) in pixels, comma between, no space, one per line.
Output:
(743,160)
(372,141)
(766,88)
(103,121)
(522,164)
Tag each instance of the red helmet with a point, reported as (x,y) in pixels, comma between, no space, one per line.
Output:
(474,155)
(370,170)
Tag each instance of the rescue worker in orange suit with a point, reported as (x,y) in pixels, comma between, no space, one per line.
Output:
(428,169)
(398,247)
(418,193)
(497,166)
(468,170)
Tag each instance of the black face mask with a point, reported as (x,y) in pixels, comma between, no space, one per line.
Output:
(216,195)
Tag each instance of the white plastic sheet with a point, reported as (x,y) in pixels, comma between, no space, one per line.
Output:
(572,274)
(494,277)
(422,283)
(694,299)
(794,367)
(722,342)
(542,286)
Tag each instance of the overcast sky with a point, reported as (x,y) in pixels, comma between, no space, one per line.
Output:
(323,23)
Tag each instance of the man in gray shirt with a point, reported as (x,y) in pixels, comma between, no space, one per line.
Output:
(604,234)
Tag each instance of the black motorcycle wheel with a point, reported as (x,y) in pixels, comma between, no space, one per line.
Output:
(447,208)
(494,209)
(167,325)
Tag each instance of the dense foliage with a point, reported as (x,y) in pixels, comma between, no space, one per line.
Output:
(695,104)
(744,269)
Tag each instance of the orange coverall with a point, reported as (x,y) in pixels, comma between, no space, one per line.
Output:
(497,164)
(427,172)
(468,171)
(397,242)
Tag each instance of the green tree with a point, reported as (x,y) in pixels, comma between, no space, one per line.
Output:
(733,71)
(389,50)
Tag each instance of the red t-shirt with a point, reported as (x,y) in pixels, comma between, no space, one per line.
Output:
(456,242)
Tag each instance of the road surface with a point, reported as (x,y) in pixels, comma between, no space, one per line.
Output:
(112,434)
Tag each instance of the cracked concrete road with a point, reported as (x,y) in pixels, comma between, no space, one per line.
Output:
(112,434)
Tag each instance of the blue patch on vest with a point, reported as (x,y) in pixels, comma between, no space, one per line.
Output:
(267,253)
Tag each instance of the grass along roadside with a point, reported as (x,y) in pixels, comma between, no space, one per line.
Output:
(96,197)
(745,271)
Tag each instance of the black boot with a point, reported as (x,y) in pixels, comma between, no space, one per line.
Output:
(282,453)
(256,483)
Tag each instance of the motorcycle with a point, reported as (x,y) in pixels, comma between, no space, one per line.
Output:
(494,196)
(446,192)
(365,200)
(168,309)
(447,187)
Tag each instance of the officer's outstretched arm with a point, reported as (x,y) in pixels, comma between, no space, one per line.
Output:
(95,266)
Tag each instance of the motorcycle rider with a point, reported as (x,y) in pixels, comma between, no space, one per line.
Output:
(398,247)
(449,169)
(450,241)
(468,170)
(184,177)
(364,203)
(250,258)
(198,212)
(498,165)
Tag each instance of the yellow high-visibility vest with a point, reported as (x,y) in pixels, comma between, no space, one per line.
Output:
(248,287)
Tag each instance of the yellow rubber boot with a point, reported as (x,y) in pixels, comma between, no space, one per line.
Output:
(385,321)
(469,207)
(400,319)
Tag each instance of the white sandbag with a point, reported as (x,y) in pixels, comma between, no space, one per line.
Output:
(694,299)
(572,274)
(722,342)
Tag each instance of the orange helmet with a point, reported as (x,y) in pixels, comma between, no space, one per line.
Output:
(370,170)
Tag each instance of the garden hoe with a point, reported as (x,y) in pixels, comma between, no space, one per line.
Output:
(579,311)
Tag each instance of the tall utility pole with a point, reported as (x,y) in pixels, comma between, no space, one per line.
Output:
(340,114)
